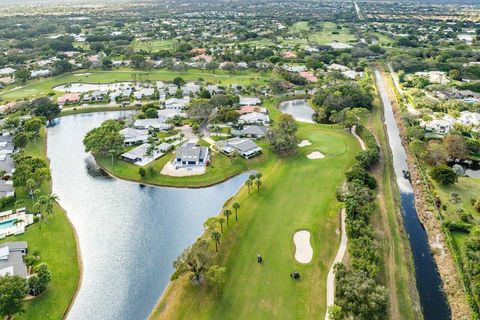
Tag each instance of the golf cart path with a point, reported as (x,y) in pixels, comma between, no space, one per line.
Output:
(341,248)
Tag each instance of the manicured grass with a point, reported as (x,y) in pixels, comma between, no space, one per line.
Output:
(55,240)
(42,87)
(154,45)
(296,193)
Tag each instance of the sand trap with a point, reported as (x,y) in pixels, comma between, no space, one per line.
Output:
(170,170)
(303,249)
(82,74)
(304,143)
(315,155)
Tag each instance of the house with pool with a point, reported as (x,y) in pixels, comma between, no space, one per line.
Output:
(191,155)
(14,222)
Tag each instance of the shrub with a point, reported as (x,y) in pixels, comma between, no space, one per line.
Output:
(443,174)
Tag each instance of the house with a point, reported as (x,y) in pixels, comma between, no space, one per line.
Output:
(176,104)
(7,71)
(40,73)
(351,74)
(132,136)
(6,144)
(68,98)
(190,88)
(170,113)
(339,45)
(95,96)
(469,118)
(203,57)
(438,126)
(249,101)
(191,155)
(7,107)
(6,189)
(144,93)
(289,55)
(337,67)
(14,222)
(139,156)
(309,76)
(250,109)
(254,118)
(254,132)
(294,68)
(439,77)
(7,165)
(243,146)
(156,124)
(11,259)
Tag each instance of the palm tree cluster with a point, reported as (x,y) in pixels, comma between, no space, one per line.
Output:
(212,223)
(254,179)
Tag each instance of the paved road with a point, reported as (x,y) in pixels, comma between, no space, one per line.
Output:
(342,248)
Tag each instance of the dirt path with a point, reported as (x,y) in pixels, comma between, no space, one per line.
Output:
(342,248)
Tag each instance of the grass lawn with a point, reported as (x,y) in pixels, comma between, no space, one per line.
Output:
(42,87)
(296,193)
(55,240)
(324,36)
(153,45)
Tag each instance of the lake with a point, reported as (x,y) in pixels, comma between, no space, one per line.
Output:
(129,235)
(299,109)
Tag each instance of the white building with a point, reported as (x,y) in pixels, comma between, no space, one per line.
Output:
(254,118)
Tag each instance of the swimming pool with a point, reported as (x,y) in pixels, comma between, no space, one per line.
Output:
(7,224)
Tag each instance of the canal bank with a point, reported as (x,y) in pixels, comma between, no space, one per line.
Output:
(435,273)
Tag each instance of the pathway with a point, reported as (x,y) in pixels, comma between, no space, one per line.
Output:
(342,248)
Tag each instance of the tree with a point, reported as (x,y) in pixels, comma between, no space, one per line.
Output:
(236,206)
(227,213)
(216,238)
(436,153)
(195,259)
(20,140)
(26,168)
(455,146)
(249,184)
(41,278)
(200,109)
(178,81)
(22,75)
(258,183)
(142,172)
(13,290)
(104,140)
(44,107)
(151,113)
(215,277)
(443,174)
(221,221)
(282,138)
(138,61)
(212,66)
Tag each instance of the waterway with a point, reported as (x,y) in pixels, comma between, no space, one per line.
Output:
(299,109)
(129,235)
(432,299)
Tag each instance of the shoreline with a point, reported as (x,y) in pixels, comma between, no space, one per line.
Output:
(447,270)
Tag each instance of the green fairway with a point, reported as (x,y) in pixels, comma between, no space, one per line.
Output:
(43,87)
(153,45)
(329,33)
(55,240)
(297,193)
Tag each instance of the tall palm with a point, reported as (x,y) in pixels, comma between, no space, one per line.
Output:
(50,201)
(258,175)
(221,220)
(210,224)
(249,184)
(31,184)
(227,213)
(258,183)
(216,237)
(236,206)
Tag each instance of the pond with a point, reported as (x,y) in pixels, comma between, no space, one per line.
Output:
(129,235)
(429,284)
(299,109)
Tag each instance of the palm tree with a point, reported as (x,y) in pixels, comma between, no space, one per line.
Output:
(227,213)
(216,237)
(50,201)
(236,206)
(210,224)
(31,184)
(258,183)
(112,153)
(258,175)
(221,221)
(249,184)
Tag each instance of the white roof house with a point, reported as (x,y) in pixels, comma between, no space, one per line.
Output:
(176,104)
(139,156)
(249,101)
(337,67)
(339,45)
(133,136)
(439,126)
(245,147)
(7,71)
(144,92)
(156,124)
(469,118)
(191,155)
(11,259)
(41,73)
(254,118)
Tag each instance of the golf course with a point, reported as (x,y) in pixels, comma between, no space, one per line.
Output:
(296,194)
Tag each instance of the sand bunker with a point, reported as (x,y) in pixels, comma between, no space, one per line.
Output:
(315,155)
(303,249)
(82,74)
(304,143)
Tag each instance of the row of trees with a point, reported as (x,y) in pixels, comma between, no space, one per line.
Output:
(358,294)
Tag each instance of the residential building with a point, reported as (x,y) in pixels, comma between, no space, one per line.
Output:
(249,101)
(177,104)
(132,136)
(243,146)
(68,98)
(156,124)
(255,132)
(11,259)
(254,118)
(250,109)
(191,155)
(139,155)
